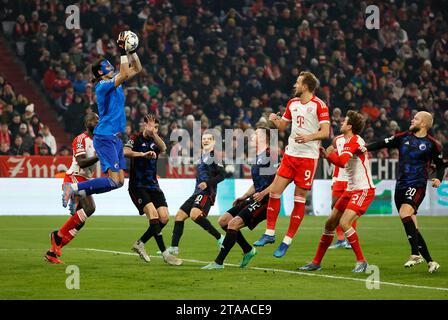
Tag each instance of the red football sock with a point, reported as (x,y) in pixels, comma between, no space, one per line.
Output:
(74,221)
(272,211)
(71,234)
(353,225)
(352,237)
(325,241)
(296,216)
(340,233)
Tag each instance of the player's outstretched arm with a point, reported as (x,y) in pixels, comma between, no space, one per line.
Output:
(246,195)
(85,162)
(129,153)
(390,142)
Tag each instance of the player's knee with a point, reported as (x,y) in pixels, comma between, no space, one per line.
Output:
(164,219)
(274,195)
(345,224)
(235,224)
(223,221)
(330,225)
(89,210)
(181,216)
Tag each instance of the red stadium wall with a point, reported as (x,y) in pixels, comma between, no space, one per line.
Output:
(32,166)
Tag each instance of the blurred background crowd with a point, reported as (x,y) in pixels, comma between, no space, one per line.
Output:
(229,64)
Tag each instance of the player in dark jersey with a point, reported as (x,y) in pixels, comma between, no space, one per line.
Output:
(144,149)
(209,173)
(417,150)
(250,209)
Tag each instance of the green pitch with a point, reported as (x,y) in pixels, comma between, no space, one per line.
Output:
(122,275)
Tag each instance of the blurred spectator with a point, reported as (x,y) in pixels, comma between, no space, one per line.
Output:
(4,149)
(5,134)
(39,144)
(49,139)
(17,148)
(27,140)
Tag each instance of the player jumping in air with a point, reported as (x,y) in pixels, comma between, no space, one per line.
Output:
(106,140)
(144,149)
(209,173)
(417,149)
(358,196)
(340,183)
(83,164)
(250,209)
(310,123)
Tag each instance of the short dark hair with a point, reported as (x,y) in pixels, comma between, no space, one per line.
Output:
(146,118)
(96,67)
(356,120)
(310,80)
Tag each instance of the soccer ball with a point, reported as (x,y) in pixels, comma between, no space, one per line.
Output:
(131,42)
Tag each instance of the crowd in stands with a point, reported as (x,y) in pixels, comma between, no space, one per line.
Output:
(230,63)
(21,131)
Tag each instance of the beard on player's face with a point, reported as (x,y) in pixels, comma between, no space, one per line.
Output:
(414,128)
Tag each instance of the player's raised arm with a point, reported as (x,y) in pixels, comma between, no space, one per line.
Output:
(152,131)
(126,72)
(136,65)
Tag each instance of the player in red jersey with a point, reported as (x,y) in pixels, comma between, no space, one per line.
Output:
(83,165)
(340,183)
(358,196)
(310,121)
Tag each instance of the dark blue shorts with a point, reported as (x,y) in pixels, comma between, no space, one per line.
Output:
(109,150)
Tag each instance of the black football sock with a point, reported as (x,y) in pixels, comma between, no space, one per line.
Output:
(162,225)
(157,232)
(227,245)
(224,228)
(149,233)
(206,225)
(411,232)
(242,242)
(422,248)
(177,233)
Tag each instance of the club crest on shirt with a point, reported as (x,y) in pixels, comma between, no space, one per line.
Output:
(310,109)
(422,147)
